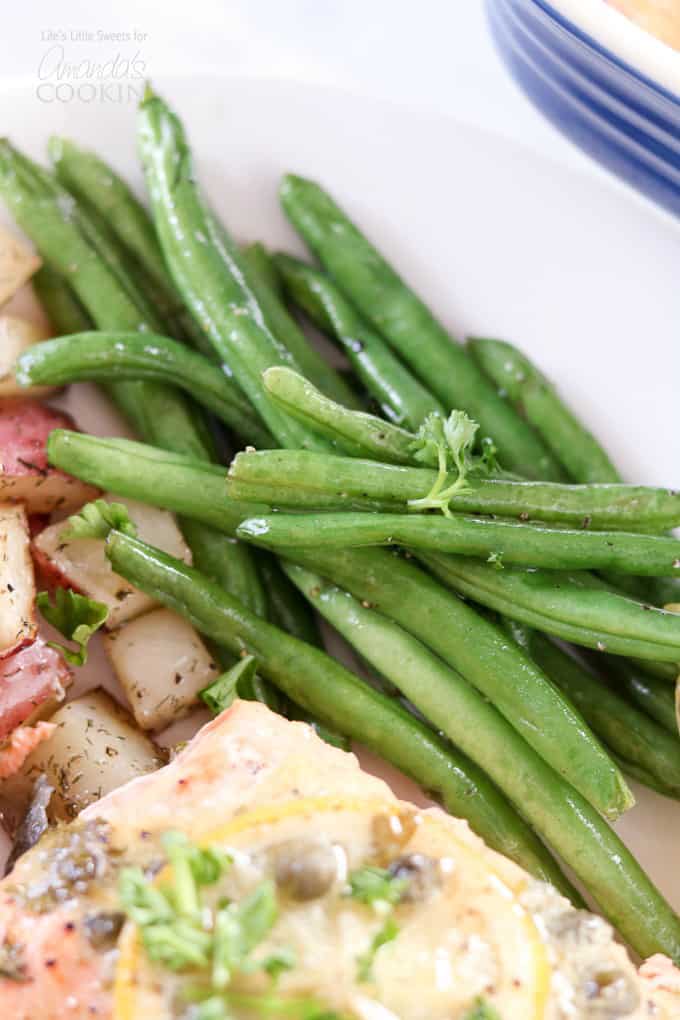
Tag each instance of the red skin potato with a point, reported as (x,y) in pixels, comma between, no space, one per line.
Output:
(25,476)
(32,680)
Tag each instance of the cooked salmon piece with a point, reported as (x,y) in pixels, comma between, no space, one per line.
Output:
(257,777)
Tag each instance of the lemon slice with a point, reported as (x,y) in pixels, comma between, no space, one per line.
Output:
(468,938)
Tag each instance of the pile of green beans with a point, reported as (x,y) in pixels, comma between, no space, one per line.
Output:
(329,691)
(509,730)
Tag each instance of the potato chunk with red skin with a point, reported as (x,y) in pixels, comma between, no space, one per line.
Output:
(81,563)
(18,623)
(33,681)
(25,475)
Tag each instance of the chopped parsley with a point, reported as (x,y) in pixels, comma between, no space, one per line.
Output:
(481,1010)
(379,889)
(76,617)
(180,931)
(372,885)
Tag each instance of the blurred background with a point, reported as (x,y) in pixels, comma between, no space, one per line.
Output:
(435,54)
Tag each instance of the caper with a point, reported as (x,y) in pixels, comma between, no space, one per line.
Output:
(304,869)
(608,991)
(103,929)
(422,874)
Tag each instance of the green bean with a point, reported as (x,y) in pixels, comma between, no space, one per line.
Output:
(63,233)
(399,314)
(64,310)
(193,488)
(286,608)
(572,605)
(283,325)
(479,650)
(207,269)
(535,398)
(358,433)
(497,541)
(402,399)
(298,478)
(653,695)
(88,177)
(322,686)
(636,772)
(556,811)
(577,449)
(46,213)
(228,563)
(261,262)
(109,356)
(630,733)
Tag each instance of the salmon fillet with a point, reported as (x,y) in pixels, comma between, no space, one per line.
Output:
(245,757)
(58,951)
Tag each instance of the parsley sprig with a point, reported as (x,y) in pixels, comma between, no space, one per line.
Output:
(76,617)
(446,442)
(97,519)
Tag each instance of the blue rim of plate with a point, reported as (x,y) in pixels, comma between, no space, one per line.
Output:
(604,51)
(628,122)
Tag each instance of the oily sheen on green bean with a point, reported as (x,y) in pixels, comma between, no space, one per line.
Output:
(573,605)
(653,695)
(405,321)
(535,397)
(630,733)
(193,488)
(319,684)
(307,479)
(208,270)
(56,296)
(355,432)
(282,324)
(401,397)
(498,540)
(479,650)
(112,356)
(557,812)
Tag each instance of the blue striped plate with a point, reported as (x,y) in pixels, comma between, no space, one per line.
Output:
(609,86)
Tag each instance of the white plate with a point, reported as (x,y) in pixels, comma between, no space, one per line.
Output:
(500,240)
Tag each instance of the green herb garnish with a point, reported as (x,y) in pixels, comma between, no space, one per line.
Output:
(445,443)
(76,617)
(225,689)
(97,519)
(372,885)
(387,933)
(481,1010)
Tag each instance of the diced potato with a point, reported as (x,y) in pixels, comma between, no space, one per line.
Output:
(94,749)
(16,336)
(25,476)
(17,264)
(18,622)
(162,664)
(81,563)
(33,682)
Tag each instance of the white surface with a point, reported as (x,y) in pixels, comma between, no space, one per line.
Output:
(435,55)
(499,239)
